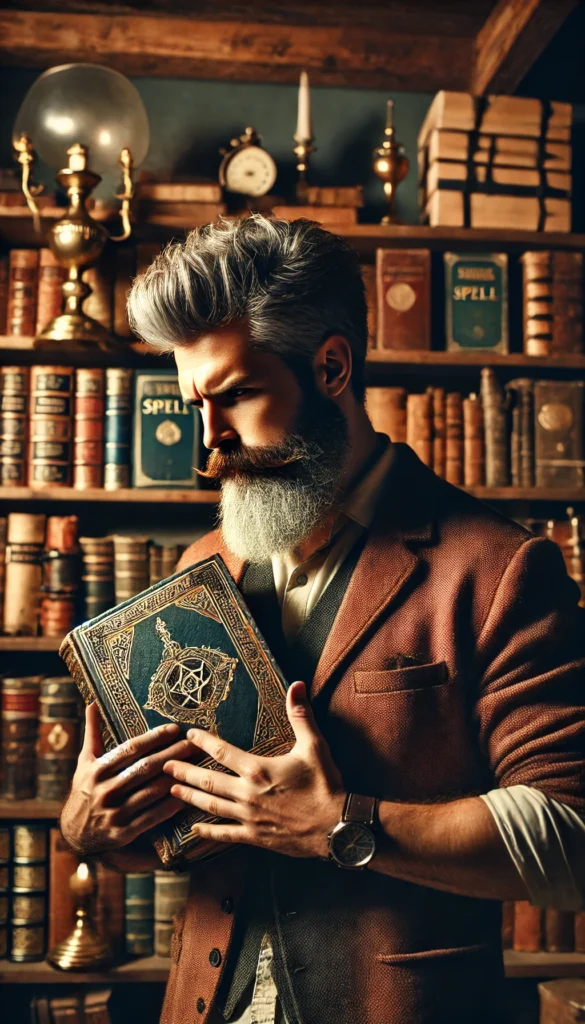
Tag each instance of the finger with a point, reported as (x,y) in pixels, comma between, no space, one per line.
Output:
(214,805)
(208,781)
(93,745)
(135,748)
(154,816)
(231,757)
(142,798)
(221,833)
(300,714)
(136,774)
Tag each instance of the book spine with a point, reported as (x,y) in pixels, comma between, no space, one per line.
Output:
(473,442)
(476,301)
(62,865)
(20,716)
(3,293)
(88,431)
(552,288)
(23,577)
(109,907)
(559,931)
(438,404)
(51,426)
(419,426)
(58,737)
(131,568)
(14,388)
(170,896)
(515,443)
(528,927)
(404,298)
(522,433)
(97,575)
(171,554)
(29,893)
(22,292)
(50,289)
(3,530)
(454,438)
(125,273)
(369,279)
(495,426)
(118,428)
(60,576)
(558,426)
(166,433)
(139,906)
(386,408)
(4,888)
(155,564)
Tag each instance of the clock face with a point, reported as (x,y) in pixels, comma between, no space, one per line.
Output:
(354,845)
(250,171)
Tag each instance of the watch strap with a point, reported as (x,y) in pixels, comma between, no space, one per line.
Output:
(360,808)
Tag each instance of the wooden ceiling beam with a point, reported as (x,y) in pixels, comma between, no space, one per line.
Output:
(254,52)
(512,38)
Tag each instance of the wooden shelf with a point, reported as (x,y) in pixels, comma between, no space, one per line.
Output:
(476,359)
(30,643)
(138,495)
(527,493)
(544,965)
(29,810)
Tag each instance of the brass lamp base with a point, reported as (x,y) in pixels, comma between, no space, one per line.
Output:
(82,949)
(74,330)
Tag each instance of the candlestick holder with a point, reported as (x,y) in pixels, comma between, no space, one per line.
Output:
(391,165)
(302,150)
(84,948)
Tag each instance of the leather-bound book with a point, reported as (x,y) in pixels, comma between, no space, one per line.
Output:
(369,278)
(50,426)
(59,736)
(439,454)
(97,574)
(28,933)
(100,303)
(552,302)
(139,913)
(23,276)
(403,285)
(170,896)
(3,293)
(419,426)
(558,433)
(562,1001)
(559,931)
(3,531)
(20,719)
(4,888)
(88,428)
(109,907)
(50,289)
(131,567)
(24,549)
(386,408)
(133,662)
(528,927)
(14,390)
(496,430)
(476,301)
(62,864)
(171,554)
(155,564)
(67,1009)
(125,273)
(522,433)
(61,572)
(118,427)
(473,442)
(166,448)
(454,438)
(95,1006)
(507,924)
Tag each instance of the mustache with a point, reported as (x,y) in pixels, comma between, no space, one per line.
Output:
(247,460)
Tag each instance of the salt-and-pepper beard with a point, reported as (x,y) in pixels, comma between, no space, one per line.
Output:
(273,498)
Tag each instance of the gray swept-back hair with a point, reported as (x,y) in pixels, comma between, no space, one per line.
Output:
(294,284)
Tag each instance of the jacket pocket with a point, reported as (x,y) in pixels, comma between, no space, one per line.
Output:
(392,680)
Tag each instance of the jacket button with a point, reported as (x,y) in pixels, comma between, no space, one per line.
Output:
(227,905)
(215,958)
(200,1005)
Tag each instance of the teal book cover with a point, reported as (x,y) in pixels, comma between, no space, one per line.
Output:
(188,651)
(167,432)
(476,301)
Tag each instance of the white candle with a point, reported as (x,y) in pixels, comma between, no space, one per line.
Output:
(304,129)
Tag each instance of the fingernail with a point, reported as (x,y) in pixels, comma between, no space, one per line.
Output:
(170,728)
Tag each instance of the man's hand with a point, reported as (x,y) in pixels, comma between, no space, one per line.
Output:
(117,796)
(287,803)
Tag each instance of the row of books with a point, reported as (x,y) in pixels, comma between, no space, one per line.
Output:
(134,913)
(95,427)
(529,929)
(82,1007)
(55,578)
(530,432)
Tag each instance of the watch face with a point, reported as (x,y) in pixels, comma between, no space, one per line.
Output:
(250,171)
(352,845)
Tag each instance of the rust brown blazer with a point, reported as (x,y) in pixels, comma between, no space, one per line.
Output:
(495,698)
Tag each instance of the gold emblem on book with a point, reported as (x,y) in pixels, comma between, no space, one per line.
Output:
(168,433)
(190,682)
(57,738)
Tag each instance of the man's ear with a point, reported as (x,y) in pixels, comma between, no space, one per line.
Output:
(332,365)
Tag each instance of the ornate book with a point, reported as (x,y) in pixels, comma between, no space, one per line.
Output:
(29,892)
(59,735)
(404,298)
(14,387)
(552,302)
(118,427)
(166,432)
(559,411)
(186,650)
(476,301)
(88,428)
(51,426)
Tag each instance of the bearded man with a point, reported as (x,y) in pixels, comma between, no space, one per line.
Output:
(438,767)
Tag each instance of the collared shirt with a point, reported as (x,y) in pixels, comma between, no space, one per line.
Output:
(544,837)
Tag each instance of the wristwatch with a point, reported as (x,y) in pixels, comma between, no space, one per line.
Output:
(352,842)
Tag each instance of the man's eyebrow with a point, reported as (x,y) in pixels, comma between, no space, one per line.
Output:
(229,385)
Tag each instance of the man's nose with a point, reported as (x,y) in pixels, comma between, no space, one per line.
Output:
(216,429)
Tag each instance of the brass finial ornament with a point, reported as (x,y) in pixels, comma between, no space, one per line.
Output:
(390,164)
(84,948)
(303,137)
(78,112)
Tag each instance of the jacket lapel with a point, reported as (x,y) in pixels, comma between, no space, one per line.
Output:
(404,516)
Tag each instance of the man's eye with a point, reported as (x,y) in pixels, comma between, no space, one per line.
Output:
(238,392)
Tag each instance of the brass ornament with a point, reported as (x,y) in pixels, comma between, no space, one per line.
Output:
(390,164)
(83,948)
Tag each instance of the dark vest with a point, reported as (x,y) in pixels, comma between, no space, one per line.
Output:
(298,660)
